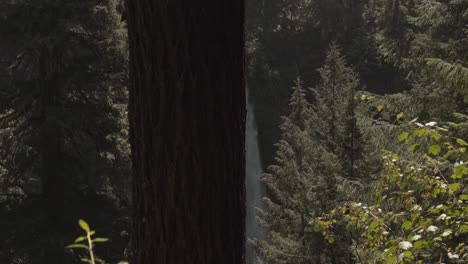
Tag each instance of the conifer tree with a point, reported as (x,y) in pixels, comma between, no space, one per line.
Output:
(320,151)
(302,184)
(334,109)
(62,118)
(64,104)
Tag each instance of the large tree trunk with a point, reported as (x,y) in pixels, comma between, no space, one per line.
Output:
(187,118)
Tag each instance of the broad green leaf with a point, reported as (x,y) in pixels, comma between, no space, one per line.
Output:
(434,149)
(461,142)
(460,172)
(415,147)
(100,239)
(373,224)
(391,250)
(464,197)
(447,154)
(403,136)
(419,244)
(420,132)
(406,225)
(455,187)
(400,116)
(435,136)
(84,225)
(80,239)
(453,212)
(77,246)
(86,260)
(464,228)
(380,108)
(363,97)
(392,260)
(408,254)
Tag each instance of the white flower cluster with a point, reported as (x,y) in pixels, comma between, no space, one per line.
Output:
(447,233)
(442,217)
(458,163)
(405,245)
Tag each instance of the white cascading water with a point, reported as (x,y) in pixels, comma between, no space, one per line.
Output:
(253,182)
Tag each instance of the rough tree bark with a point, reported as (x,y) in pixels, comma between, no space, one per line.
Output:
(187,118)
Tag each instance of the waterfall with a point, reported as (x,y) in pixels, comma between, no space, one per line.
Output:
(252,181)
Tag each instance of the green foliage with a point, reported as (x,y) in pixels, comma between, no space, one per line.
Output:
(64,100)
(419,213)
(296,182)
(63,127)
(321,152)
(424,45)
(87,243)
(335,115)
(450,74)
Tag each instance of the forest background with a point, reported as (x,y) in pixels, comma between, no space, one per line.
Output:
(361,109)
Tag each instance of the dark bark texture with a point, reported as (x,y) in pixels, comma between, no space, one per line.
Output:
(187,118)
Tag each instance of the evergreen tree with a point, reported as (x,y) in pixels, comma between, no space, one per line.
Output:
(62,127)
(302,184)
(65,102)
(287,38)
(321,150)
(334,109)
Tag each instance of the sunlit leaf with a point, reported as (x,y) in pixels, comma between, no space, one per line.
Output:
(403,136)
(420,132)
(419,244)
(455,187)
(400,116)
(435,136)
(406,225)
(392,260)
(434,149)
(84,225)
(100,239)
(448,154)
(77,246)
(415,147)
(461,142)
(464,228)
(80,239)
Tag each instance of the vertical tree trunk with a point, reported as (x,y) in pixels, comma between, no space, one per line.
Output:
(56,186)
(187,118)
